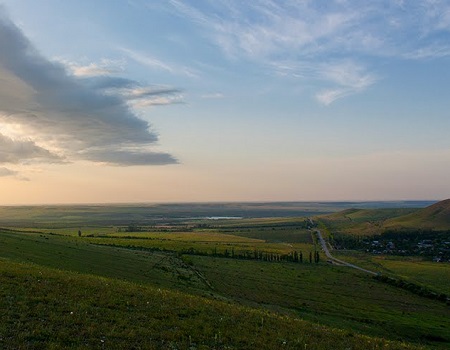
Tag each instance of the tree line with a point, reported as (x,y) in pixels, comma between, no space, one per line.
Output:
(293,256)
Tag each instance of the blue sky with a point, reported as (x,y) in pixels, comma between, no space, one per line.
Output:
(134,101)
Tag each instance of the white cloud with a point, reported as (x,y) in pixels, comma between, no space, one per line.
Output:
(349,77)
(104,67)
(328,96)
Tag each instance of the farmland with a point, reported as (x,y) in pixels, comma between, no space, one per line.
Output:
(225,283)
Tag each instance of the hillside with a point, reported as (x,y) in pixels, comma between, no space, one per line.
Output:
(47,308)
(436,217)
(362,221)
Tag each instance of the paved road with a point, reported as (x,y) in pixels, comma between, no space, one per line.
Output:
(338,261)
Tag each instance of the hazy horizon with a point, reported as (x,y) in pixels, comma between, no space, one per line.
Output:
(199,101)
(149,203)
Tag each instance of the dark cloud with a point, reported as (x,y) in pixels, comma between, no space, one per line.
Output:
(13,151)
(126,158)
(75,115)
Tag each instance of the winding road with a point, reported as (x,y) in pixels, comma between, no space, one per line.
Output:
(338,261)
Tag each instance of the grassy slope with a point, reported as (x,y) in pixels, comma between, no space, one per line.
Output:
(330,295)
(436,216)
(336,296)
(47,308)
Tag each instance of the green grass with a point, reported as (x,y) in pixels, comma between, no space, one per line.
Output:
(331,295)
(272,234)
(71,254)
(44,308)
(436,276)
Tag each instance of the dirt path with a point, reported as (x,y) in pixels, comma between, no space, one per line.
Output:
(338,261)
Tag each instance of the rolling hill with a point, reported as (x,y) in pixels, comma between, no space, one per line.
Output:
(436,217)
(362,221)
(375,221)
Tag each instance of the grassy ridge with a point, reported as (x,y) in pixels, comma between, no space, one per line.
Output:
(47,308)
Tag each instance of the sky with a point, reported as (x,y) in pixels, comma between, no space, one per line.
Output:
(224,100)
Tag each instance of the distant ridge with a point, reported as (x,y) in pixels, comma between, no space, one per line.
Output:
(436,217)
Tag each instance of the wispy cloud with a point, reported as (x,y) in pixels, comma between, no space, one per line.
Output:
(135,93)
(6,172)
(349,78)
(154,63)
(59,116)
(213,95)
(310,34)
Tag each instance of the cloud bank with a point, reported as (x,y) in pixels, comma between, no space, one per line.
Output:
(49,114)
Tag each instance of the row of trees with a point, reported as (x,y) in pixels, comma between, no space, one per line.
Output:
(293,256)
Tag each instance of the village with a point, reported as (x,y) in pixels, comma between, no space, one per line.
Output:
(434,246)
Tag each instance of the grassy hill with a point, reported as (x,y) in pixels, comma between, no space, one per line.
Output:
(436,217)
(362,221)
(375,221)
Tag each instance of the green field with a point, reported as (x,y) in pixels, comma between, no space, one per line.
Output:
(199,283)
